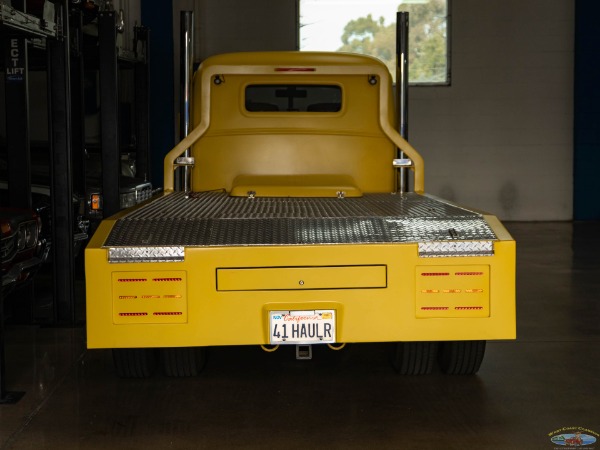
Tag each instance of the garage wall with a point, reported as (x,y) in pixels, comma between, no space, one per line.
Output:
(500,138)
(238,25)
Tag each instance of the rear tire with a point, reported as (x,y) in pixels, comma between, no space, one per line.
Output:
(461,357)
(134,362)
(414,358)
(183,361)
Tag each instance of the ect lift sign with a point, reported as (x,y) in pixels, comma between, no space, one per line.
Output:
(15,60)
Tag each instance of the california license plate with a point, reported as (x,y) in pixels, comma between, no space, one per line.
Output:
(302,327)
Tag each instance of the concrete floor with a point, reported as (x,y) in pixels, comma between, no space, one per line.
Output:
(526,390)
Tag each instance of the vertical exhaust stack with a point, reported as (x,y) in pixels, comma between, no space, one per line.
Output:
(186,72)
(402,90)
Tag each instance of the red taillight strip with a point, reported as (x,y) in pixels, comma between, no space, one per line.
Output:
(131,280)
(171,313)
(133,314)
(430,291)
(166,279)
(473,291)
(172,296)
(435,274)
(434,308)
(462,274)
(451,291)
(127,297)
(468,307)
(150,296)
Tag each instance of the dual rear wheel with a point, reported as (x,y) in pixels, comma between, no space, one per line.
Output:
(409,358)
(143,362)
(453,357)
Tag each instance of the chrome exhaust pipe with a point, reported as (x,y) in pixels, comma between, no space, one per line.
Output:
(186,73)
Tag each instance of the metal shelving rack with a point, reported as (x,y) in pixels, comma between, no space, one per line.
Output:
(62,40)
(17,28)
(65,67)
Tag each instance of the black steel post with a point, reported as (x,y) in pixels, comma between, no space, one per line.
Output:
(59,103)
(142,103)
(77,101)
(402,88)
(5,396)
(17,122)
(109,111)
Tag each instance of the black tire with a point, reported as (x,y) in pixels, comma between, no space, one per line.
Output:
(134,362)
(183,361)
(461,357)
(414,358)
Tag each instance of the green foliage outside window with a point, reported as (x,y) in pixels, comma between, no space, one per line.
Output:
(428,34)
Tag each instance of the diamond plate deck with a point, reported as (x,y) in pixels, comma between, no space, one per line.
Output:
(145,254)
(216,219)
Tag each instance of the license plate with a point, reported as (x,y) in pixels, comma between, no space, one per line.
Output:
(302,327)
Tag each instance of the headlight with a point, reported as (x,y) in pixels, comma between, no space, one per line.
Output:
(31,234)
(128,200)
(143,194)
(7,248)
(27,235)
(21,238)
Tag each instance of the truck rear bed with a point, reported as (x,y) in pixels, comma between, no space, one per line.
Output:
(208,268)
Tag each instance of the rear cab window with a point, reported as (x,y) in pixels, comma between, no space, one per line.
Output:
(293,98)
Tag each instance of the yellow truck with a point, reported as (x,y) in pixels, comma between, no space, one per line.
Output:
(294,232)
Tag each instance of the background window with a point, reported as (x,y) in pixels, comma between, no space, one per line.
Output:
(369,27)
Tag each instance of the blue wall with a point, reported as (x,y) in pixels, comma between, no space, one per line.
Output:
(587,111)
(158,17)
